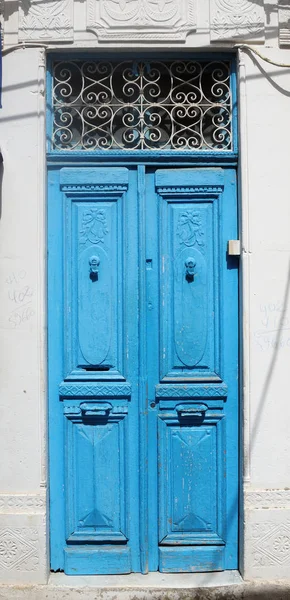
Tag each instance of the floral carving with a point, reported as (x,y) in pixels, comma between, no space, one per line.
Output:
(189,228)
(141,19)
(232,19)
(281,544)
(271,543)
(8,550)
(94,226)
(19,549)
(46,20)
(142,12)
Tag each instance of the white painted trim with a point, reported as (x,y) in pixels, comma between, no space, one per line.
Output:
(245,264)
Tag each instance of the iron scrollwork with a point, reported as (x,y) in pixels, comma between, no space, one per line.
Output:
(142,105)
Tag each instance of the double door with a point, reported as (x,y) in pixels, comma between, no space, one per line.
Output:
(143,366)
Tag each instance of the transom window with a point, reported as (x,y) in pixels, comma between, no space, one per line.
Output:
(142,105)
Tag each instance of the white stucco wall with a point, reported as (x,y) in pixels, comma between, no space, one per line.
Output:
(266,217)
(22,319)
(264,92)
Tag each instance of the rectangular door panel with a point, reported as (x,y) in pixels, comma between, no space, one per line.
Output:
(102,560)
(189,274)
(94,250)
(96,473)
(191,463)
(191,559)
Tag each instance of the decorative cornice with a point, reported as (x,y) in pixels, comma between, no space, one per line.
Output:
(284,22)
(22,503)
(131,36)
(94,390)
(93,188)
(46,20)
(141,20)
(260,499)
(191,391)
(193,189)
(233,20)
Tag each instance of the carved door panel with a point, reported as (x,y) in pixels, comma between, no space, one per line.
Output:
(93,370)
(142,370)
(192,369)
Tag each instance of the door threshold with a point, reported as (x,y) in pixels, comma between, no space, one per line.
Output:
(151,580)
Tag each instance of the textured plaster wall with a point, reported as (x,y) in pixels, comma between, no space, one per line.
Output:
(265,225)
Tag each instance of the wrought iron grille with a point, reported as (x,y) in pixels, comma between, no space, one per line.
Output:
(142,105)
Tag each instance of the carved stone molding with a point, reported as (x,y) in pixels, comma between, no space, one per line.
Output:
(23,544)
(260,499)
(46,20)
(141,20)
(22,503)
(284,22)
(237,20)
(267,535)
(271,543)
(19,549)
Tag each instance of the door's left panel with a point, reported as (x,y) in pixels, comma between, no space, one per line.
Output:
(93,370)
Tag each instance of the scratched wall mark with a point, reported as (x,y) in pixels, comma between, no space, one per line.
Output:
(274,332)
(20,296)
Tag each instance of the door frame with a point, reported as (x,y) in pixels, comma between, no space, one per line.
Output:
(142,159)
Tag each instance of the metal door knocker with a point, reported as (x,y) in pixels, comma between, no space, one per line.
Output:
(190,264)
(94,263)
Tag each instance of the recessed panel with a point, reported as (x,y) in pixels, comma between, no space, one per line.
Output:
(190,307)
(97,318)
(191,464)
(190,328)
(94,285)
(95,475)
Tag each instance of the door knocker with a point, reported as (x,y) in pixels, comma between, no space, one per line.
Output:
(94,263)
(190,264)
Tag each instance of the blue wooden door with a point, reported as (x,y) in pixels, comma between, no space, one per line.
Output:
(143,366)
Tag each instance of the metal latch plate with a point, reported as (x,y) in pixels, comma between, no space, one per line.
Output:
(234,248)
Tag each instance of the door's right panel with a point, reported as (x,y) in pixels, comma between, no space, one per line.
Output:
(198,390)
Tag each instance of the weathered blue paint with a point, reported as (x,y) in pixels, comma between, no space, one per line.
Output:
(143,365)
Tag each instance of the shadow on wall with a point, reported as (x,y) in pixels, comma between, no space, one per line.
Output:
(268,377)
(1,179)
